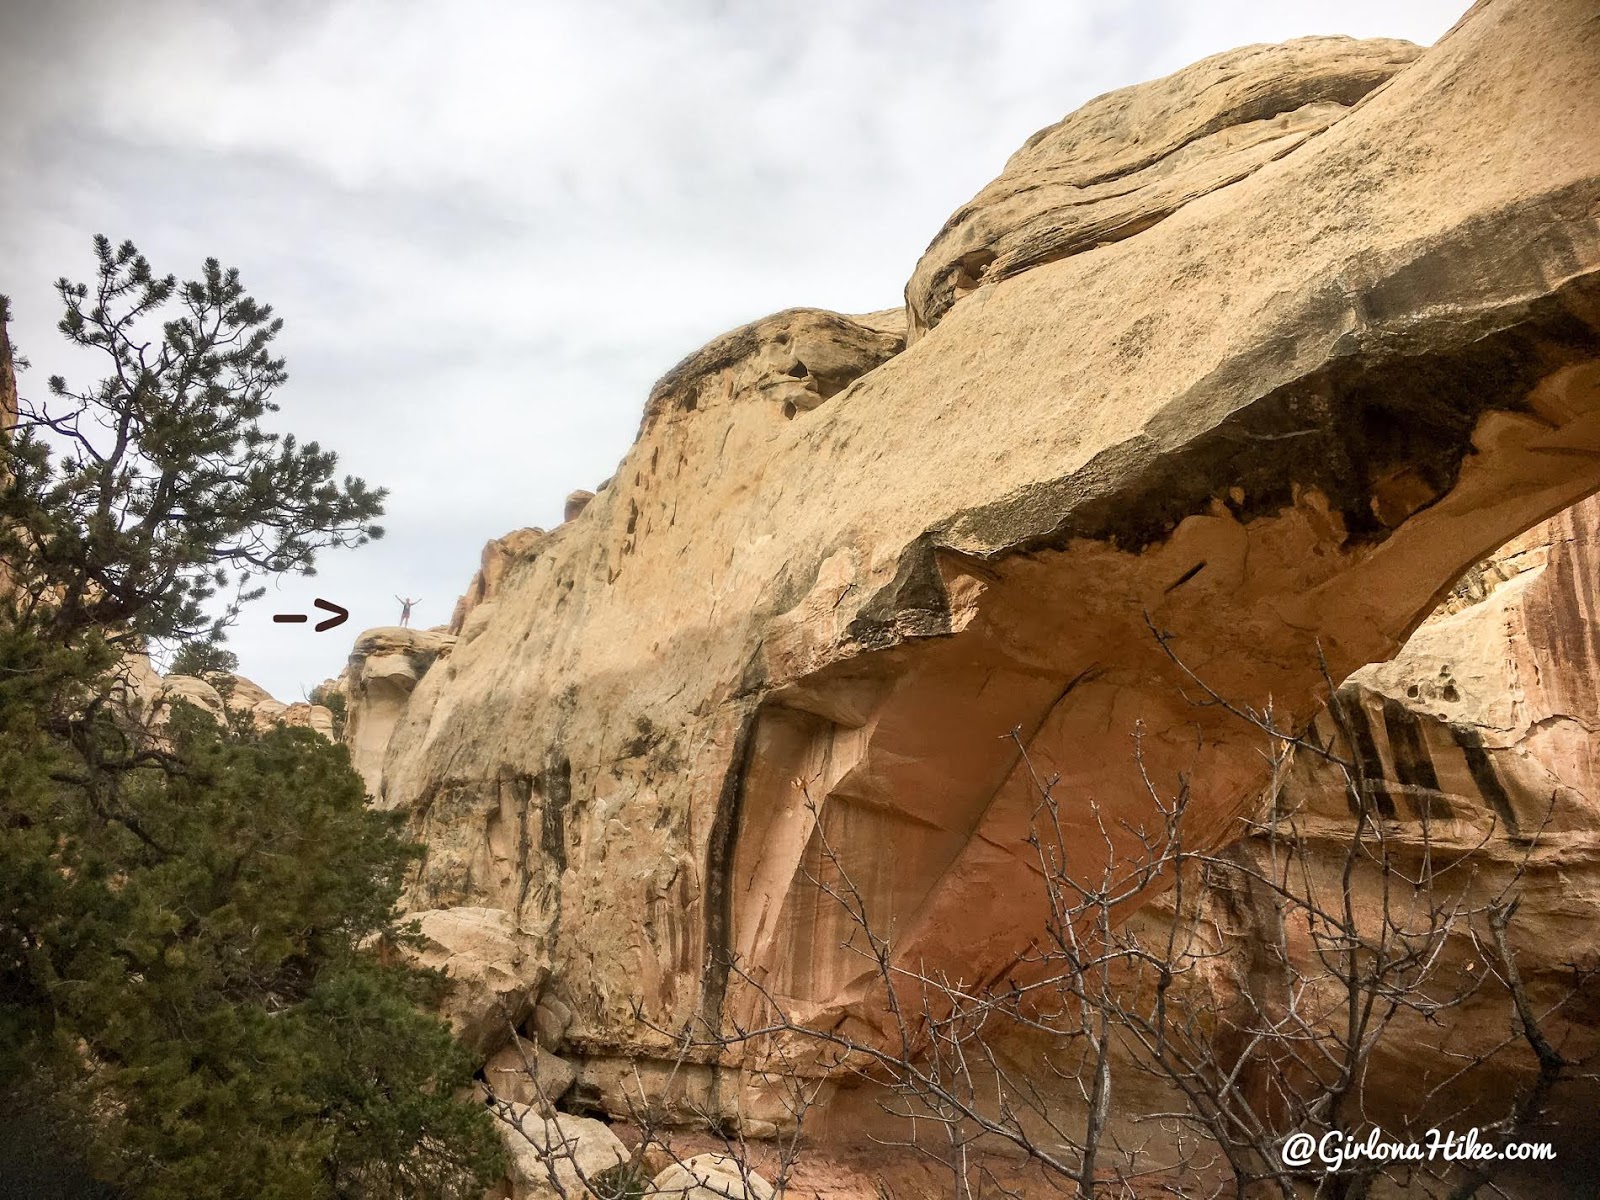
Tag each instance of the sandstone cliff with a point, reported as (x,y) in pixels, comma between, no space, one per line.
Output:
(1265,354)
(495,560)
(376,684)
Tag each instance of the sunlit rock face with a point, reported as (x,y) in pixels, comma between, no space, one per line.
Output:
(493,563)
(384,667)
(240,695)
(1358,350)
(1133,157)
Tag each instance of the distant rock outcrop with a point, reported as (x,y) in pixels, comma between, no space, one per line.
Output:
(1265,355)
(576,502)
(384,667)
(151,696)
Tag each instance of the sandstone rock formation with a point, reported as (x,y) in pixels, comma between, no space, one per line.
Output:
(384,667)
(711,1177)
(552,1157)
(1484,735)
(1493,707)
(790,362)
(494,971)
(576,502)
(151,696)
(1263,355)
(527,1073)
(241,695)
(1478,749)
(1133,157)
(497,558)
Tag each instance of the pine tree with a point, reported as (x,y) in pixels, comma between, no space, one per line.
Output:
(203,659)
(186,1003)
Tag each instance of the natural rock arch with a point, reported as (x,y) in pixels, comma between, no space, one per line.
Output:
(1287,413)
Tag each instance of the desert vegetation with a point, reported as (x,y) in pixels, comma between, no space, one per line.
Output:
(189,1000)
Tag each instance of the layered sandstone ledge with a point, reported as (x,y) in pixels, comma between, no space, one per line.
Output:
(1265,354)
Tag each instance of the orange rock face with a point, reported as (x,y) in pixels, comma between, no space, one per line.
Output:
(1479,751)
(832,576)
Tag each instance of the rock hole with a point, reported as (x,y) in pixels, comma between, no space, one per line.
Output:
(1187,575)
(975,263)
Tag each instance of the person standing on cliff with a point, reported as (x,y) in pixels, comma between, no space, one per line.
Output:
(405,611)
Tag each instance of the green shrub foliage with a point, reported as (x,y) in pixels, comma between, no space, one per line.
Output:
(198,994)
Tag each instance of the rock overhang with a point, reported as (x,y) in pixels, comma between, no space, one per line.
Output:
(1281,418)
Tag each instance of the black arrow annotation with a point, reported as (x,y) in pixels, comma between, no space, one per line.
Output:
(340,616)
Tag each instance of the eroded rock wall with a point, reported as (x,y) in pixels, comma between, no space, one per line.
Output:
(1359,349)
(493,563)
(1477,751)
(377,683)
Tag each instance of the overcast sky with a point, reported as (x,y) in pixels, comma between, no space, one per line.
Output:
(489,225)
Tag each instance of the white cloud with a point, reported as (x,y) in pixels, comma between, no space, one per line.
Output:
(490,224)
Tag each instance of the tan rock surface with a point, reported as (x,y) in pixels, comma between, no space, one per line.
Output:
(551,1020)
(1290,413)
(1482,734)
(576,502)
(493,967)
(1133,157)
(151,695)
(788,363)
(241,695)
(191,690)
(1479,735)
(711,1177)
(498,557)
(528,1074)
(553,1157)
(314,717)
(384,667)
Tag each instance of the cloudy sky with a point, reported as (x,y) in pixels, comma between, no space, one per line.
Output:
(489,225)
